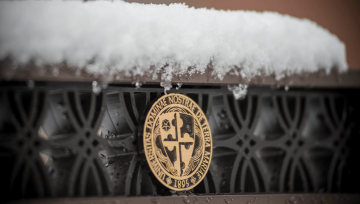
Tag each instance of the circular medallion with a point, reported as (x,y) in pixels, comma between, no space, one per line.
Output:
(177,142)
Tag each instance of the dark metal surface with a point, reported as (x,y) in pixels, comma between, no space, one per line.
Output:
(226,199)
(60,140)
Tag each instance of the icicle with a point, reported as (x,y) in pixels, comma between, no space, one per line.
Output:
(96,87)
(167,86)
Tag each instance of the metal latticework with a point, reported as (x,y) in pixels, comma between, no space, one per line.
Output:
(60,140)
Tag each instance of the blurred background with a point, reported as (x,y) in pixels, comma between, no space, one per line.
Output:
(340,17)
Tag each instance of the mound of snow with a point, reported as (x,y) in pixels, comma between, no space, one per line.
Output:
(107,38)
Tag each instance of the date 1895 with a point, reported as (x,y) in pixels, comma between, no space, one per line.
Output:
(182,183)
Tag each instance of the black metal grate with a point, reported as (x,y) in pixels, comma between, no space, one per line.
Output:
(60,140)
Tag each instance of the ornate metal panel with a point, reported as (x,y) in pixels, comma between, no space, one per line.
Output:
(60,140)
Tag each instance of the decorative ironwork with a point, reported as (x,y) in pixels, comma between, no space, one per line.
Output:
(60,140)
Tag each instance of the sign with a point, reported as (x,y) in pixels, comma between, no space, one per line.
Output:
(177,142)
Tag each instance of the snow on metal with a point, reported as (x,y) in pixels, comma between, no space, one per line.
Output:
(106,38)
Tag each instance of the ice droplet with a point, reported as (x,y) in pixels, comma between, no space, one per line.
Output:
(239,91)
(104,85)
(292,200)
(109,163)
(179,86)
(228,200)
(138,85)
(155,201)
(30,84)
(186,199)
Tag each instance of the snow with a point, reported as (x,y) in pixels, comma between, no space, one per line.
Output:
(179,85)
(107,38)
(239,91)
(98,86)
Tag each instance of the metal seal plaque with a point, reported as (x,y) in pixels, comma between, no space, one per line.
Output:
(177,142)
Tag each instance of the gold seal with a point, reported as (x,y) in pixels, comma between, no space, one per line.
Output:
(177,142)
